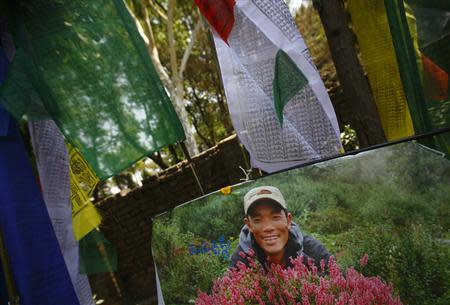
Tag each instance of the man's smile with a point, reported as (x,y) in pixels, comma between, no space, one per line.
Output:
(271,238)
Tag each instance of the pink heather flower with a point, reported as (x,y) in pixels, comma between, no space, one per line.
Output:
(363,260)
(305,300)
(241,266)
(322,265)
(298,285)
(251,252)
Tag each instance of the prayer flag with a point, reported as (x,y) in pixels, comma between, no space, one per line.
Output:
(85,219)
(421,38)
(278,104)
(37,264)
(53,165)
(220,15)
(84,64)
(97,254)
(435,80)
(4,116)
(83,181)
(38,268)
(370,24)
(4,122)
(4,299)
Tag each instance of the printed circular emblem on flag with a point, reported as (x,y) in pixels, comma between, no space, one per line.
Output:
(220,15)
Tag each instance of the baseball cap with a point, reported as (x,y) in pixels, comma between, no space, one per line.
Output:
(263,192)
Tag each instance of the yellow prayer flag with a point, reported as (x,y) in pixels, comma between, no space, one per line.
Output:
(83,181)
(371,27)
(85,220)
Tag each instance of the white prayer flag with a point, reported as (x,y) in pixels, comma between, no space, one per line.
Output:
(278,104)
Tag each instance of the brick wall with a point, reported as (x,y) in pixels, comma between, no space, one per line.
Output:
(127,220)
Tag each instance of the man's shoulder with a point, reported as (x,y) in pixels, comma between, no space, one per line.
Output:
(314,249)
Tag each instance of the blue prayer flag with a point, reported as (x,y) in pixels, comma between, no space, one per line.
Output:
(37,264)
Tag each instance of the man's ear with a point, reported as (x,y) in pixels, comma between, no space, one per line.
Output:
(249,225)
(289,219)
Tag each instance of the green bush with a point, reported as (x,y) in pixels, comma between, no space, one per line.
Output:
(177,266)
(411,258)
(189,273)
(221,213)
(397,207)
(329,221)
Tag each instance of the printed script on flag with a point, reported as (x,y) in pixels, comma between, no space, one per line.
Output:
(83,181)
(278,104)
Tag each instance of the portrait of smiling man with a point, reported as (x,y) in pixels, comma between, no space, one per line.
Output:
(270,234)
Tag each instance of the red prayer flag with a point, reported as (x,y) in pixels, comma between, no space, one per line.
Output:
(220,15)
(435,80)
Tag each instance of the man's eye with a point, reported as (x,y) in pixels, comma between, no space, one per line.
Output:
(276,217)
(256,219)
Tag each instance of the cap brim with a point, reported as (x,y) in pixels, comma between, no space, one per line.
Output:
(263,200)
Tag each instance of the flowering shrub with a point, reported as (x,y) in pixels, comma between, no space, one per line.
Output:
(298,285)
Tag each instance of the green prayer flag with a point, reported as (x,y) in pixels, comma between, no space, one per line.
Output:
(96,254)
(84,64)
(288,80)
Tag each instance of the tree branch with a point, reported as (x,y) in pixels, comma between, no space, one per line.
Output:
(172,46)
(210,128)
(157,8)
(188,50)
(156,157)
(195,122)
(152,50)
(158,4)
(174,154)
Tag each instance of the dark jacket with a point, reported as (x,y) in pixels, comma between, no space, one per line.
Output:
(297,245)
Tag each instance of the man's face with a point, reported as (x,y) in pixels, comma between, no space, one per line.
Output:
(270,228)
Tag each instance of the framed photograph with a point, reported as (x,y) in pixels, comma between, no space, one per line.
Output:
(378,219)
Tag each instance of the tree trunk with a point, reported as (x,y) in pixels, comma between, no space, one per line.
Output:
(174,154)
(157,158)
(364,119)
(174,84)
(180,109)
(178,95)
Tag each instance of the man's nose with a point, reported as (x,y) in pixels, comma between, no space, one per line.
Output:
(268,227)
